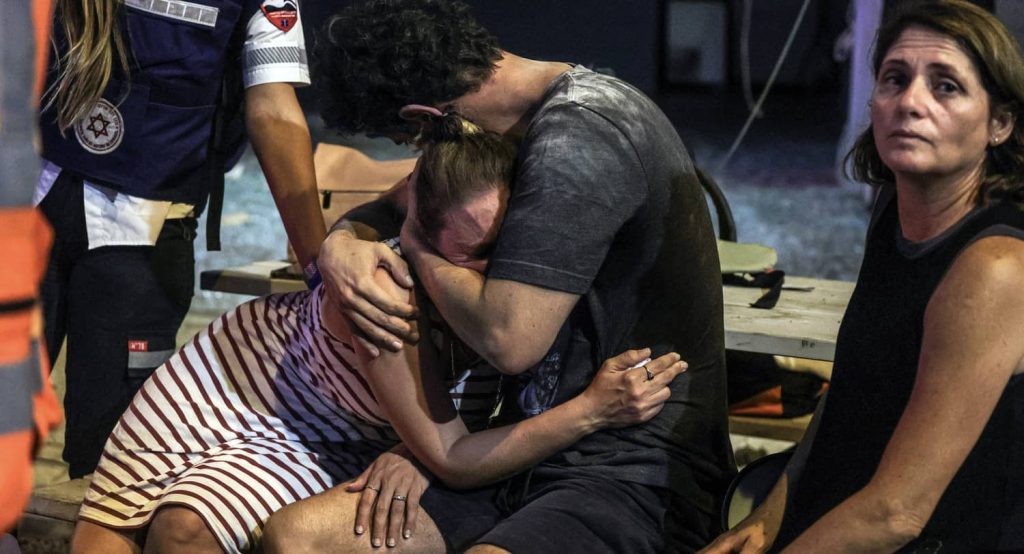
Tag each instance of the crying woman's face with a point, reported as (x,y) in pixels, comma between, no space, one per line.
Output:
(470,230)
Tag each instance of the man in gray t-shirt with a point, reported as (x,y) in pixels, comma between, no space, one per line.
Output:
(607,207)
(607,244)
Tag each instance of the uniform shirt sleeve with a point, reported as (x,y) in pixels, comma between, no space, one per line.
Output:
(272,54)
(578,182)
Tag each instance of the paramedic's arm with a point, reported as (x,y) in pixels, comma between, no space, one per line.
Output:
(280,137)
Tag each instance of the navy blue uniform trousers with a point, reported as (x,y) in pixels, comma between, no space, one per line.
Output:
(119,308)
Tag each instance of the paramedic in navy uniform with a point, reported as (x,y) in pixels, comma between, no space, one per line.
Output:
(126,126)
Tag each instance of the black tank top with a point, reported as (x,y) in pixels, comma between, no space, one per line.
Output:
(875,365)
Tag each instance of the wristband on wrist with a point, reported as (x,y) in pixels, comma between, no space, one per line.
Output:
(311,274)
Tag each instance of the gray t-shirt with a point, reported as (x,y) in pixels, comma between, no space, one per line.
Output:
(607,205)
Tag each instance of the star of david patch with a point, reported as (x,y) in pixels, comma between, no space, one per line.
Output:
(102,129)
(283,15)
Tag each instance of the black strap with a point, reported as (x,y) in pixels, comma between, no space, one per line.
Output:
(227,138)
(772,281)
(215,174)
(19,305)
(216,203)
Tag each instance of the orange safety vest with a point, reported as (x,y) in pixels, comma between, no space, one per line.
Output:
(42,18)
(28,405)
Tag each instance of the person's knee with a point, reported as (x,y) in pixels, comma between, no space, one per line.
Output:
(287,531)
(487,549)
(180,530)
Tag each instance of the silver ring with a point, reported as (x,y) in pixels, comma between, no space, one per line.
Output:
(399,497)
(373,488)
(650,375)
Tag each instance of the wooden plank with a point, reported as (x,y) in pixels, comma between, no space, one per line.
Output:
(803,324)
(251,279)
(787,429)
(44,534)
(49,518)
(59,501)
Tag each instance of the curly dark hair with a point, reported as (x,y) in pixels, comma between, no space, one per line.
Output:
(997,58)
(374,57)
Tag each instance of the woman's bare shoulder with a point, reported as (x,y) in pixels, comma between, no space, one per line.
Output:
(982,296)
(993,264)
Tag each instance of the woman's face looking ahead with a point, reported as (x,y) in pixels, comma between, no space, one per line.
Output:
(930,113)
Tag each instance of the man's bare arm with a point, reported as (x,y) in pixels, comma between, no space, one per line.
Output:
(511,324)
(349,258)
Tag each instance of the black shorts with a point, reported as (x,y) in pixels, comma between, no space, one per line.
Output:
(563,511)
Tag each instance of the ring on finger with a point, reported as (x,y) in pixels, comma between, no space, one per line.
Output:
(650,375)
(399,497)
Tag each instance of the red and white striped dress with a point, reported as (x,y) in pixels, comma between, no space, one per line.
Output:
(260,410)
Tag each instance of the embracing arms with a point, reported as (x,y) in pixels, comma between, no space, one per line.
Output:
(409,387)
(511,324)
(349,259)
(565,213)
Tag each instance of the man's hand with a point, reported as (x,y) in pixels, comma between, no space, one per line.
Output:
(348,265)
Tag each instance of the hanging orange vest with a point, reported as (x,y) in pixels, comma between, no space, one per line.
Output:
(28,406)
(42,18)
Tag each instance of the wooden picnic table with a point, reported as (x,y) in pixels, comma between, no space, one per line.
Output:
(803,324)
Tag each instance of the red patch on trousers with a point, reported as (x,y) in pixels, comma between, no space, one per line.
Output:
(138,346)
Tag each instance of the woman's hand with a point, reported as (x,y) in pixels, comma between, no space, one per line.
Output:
(348,265)
(391,490)
(624,393)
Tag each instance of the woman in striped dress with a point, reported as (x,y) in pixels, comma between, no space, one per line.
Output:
(275,402)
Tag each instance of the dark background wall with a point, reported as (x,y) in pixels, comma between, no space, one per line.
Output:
(630,37)
(619,34)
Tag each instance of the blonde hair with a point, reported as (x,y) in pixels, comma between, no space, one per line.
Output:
(96,49)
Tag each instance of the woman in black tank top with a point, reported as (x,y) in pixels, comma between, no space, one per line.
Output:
(920,444)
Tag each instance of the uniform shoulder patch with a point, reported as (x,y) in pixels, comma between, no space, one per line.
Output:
(281,14)
(102,129)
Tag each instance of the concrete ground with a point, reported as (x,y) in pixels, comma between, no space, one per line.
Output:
(780,184)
